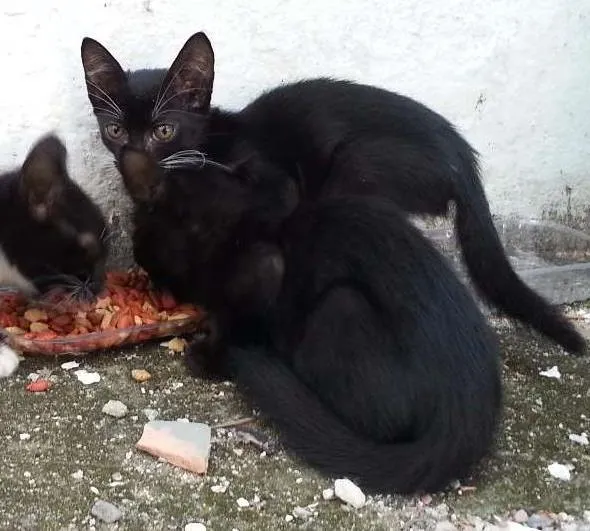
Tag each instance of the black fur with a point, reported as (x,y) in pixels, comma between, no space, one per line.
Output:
(333,138)
(50,230)
(338,318)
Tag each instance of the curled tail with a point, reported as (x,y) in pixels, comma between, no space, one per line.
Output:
(317,436)
(494,276)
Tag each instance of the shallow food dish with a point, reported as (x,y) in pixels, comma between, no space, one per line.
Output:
(126,313)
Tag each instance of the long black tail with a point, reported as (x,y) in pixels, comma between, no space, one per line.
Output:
(318,437)
(493,274)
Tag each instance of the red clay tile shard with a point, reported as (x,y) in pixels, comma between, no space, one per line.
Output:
(183,444)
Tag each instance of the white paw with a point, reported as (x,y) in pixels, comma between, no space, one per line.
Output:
(9,361)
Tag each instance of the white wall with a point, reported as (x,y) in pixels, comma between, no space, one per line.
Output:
(514,75)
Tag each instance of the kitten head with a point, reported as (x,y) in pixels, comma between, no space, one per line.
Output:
(157,111)
(185,219)
(56,234)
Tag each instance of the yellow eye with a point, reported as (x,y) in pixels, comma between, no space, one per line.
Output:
(164,132)
(114,131)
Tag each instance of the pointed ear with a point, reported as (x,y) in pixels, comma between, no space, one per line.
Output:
(105,79)
(44,177)
(141,174)
(189,81)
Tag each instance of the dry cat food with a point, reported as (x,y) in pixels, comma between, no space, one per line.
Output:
(127,312)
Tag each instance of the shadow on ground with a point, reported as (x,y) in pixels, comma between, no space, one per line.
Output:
(41,486)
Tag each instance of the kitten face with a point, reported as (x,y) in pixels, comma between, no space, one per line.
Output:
(50,231)
(157,111)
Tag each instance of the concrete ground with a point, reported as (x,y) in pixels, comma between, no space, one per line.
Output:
(59,454)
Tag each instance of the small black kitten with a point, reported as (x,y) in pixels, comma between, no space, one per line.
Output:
(337,318)
(332,138)
(51,233)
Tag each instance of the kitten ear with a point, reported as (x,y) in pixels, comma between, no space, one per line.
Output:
(190,78)
(44,177)
(141,174)
(105,79)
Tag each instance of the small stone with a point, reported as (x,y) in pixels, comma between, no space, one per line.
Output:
(87,378)
(302,513)
(140,375)
(69,365)
(553,372)
(243,503)
(349,493)
(512,526)
(115,408)
(117,476)
(539,521)
(24,436)
(195,526)
(94,490)
(580,439)
(560,471)
(520,516)
(219,489)
(78,474)
(150,414)
(289,518)
(106,511)
(328,494)
(176,344)
(445,526)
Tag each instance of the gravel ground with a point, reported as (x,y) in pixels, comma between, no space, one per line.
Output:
(61,454)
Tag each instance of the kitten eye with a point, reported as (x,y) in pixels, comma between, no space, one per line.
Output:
(114,131)
(164,132)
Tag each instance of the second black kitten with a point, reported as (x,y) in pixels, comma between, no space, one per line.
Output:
(337,318)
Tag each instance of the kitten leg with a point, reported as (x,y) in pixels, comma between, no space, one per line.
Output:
(9,361)
(205,355)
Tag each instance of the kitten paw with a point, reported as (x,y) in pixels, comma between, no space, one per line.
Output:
(204,361)
(9,361)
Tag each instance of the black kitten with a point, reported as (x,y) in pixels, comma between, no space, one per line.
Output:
(51,233)
(333,138)
(337,317)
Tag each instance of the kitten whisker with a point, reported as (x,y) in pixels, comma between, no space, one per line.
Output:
(114,109)
(113,103)
(102,111)
(159,98)
(155,113)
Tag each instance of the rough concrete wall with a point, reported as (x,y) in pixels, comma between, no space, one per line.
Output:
(512,74)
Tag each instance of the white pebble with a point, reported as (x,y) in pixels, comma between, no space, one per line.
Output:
(580,439)
(553,372)
(79,474)
(328,494)
(349,493)
(194,526)
(115,408)
(87,378)
(445,526)
(243,503)
(219,489)
(69,365)
(288,518)
(303,513)
(24,436)
(559,471)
